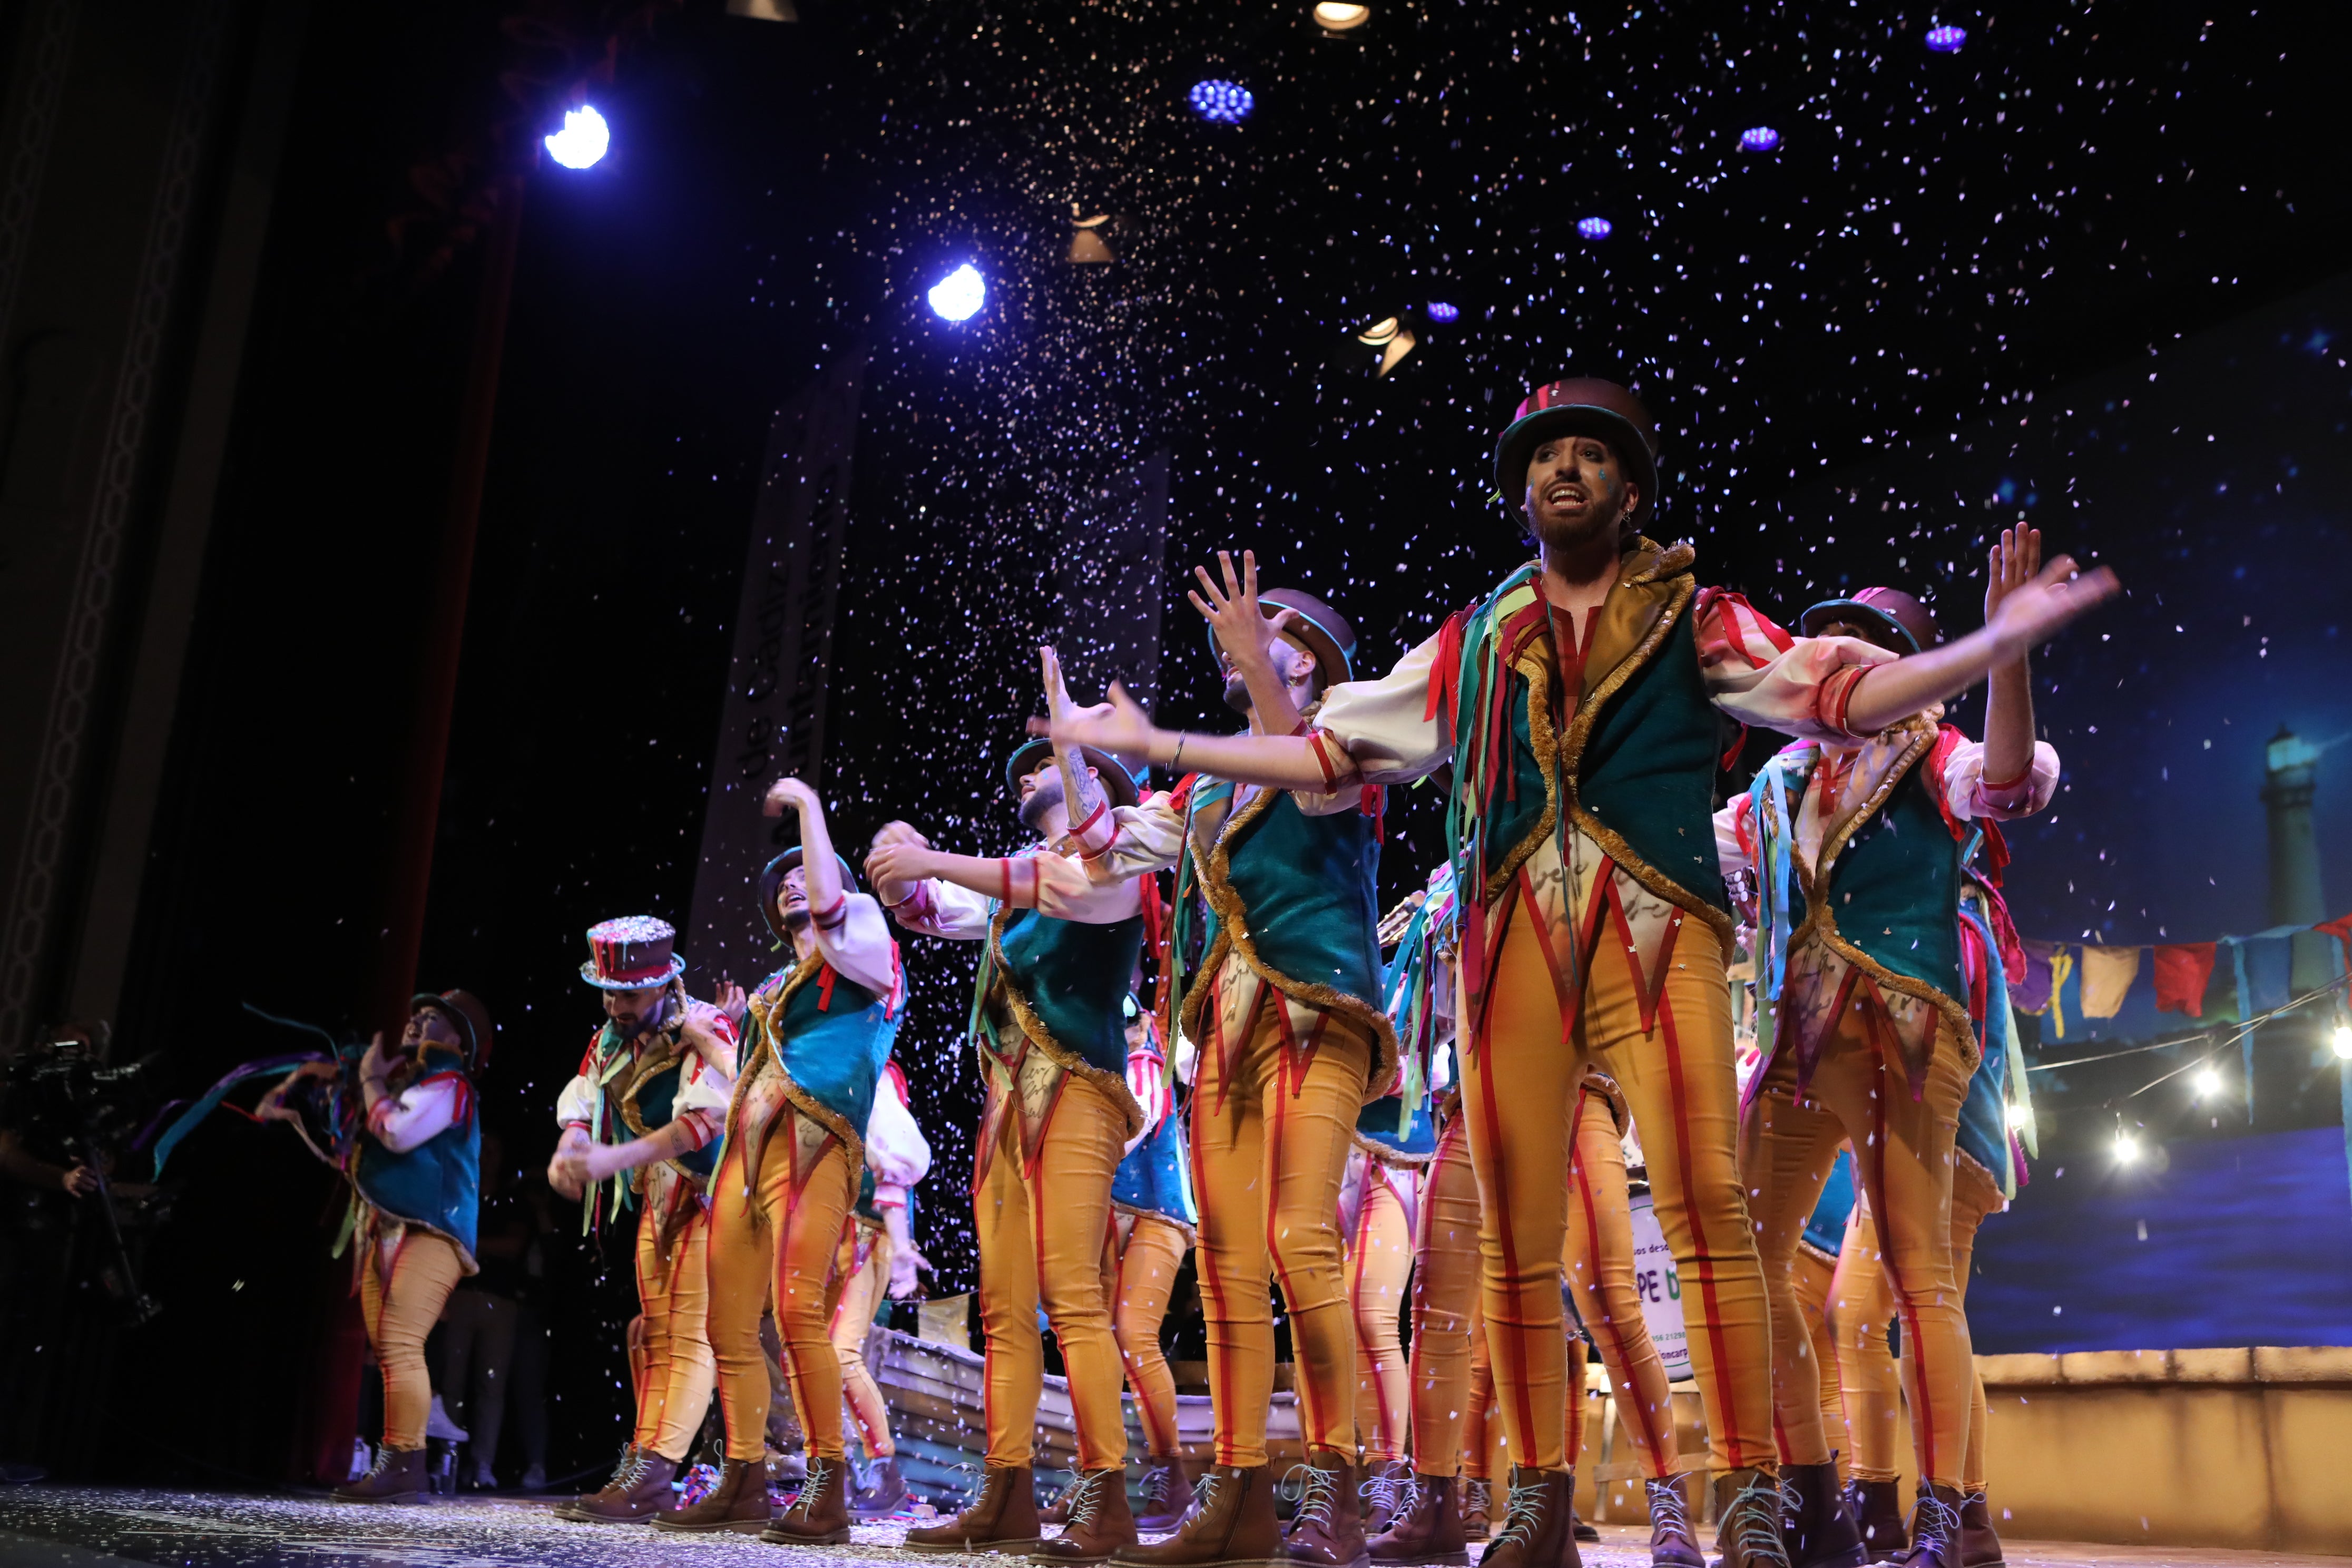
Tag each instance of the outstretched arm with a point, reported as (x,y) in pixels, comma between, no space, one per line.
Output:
(577,1163)
(2015,559)
(2033,612)
(1088,806)
(1121,726)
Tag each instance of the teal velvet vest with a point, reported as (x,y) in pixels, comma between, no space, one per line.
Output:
(1156,1177)
(649,1104)
(1825,1229)
(1386,1133)
(436,1185)
(1067,982)
(1893,893)
(832,1037)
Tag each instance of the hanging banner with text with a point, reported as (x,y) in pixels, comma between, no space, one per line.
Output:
(774,721)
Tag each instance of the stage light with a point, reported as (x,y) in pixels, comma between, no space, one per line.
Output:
(583,139)
(960,295)
(2016,1116)
(1439,310)
(2344,1042)
(1593,227)
(2127,1147)
(1334,17)
(1759,139)
(2208,1083)
(1086,243)
(1947,39)
(1226,103)
(763,10)
(1391,337)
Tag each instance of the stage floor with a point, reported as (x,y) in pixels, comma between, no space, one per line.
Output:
(94,1527)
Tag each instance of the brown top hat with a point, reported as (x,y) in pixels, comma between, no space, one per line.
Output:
(1317,625)
(465,1010)
(1896,620)
(1587,404)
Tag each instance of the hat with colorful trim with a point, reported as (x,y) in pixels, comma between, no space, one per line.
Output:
(1317,625)
(635,953)
(772,881)
(1903,622)
(1119,784)
(1587,404)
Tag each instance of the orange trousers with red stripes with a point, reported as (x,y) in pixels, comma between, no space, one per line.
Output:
(1380,1262)
(1040,1226)
(1139,1272)
(1521,1086)
(1272,1125)
(1599,1265)
(778,1236)
(402,1288)
(862,1268)
(1902,1162)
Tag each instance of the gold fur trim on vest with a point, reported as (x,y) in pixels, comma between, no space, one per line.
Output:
(1111,1085)
(1820,923)
(1233,936)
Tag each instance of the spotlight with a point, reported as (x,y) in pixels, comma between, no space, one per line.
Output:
(1392,338)
(1086,243)
(958,296)
(1334,17)
(1593,228)
(583,139)
(2344,1042)
(2127,1147)
(1947,39)
(2016,1116)
(1439,310)
(2207,1082)
(1759,139)
(763,10)
(1226,103)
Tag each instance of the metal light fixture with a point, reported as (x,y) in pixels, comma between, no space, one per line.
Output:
(1392,338)
(1335,17)
(763,10)
(1087,242)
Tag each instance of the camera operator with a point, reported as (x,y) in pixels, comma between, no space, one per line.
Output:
(20,1158)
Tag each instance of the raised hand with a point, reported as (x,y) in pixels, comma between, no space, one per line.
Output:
(701,1027)
(1081,791)
(1233,613)
(731,1001)
(2035,612)
(2010,564)
(790,792)
(898,864)
(1120,726)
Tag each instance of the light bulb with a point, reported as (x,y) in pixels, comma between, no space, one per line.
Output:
(960,295)
(2208,1083)
(583,139)
(2127,1147)
(2344,1042)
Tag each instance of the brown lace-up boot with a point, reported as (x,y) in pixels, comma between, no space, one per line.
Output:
(1100,1521)
(1979,1543)
(1004,1518)
(1877,1509)
(1328,1530)
(1747,1505)
(819,1515)
(397,1476)
(1935,1530)
(1818,1527)
(1387,1493)
(1428,1531)
(639,1490)
(1232,1525)
(884,1493)
(1537,1529)
(1478,1509)
(1166,1492)
(1673,1542)
(737,1502)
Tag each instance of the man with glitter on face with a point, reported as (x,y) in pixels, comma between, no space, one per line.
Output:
(1286,1012)
(1866,947)
(819,1036)
(1580,706)
(1048,1025)
(641,1119)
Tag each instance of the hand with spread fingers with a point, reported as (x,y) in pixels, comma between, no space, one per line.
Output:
(1233,612)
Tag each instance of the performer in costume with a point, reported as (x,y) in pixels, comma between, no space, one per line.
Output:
(878,1257)
(640,1121)
(1859,841)
(820,1032)
(401,1127)
(1815,1267)
(1579,706)
(1047,1024)
(1285,1010)
(1380,1201)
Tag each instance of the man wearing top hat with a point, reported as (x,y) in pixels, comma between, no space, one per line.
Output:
(1049,1023)
(819,1036)
(1863,842)
(1285,1009)
(1581,708)
(402,1127)
(641,1119)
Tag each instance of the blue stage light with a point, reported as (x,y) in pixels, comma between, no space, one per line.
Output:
(1947,39)
(1593,227)
(958,296)
(1227,103)
(583,139)
(1759,139)
(1439,310)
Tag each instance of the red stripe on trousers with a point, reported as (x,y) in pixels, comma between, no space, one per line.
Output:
(1701,1252)
(1659,1448)
(1914,1348)
(1502,1208)
(1220,1438)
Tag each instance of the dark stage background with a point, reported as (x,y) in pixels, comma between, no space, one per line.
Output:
(1924,299)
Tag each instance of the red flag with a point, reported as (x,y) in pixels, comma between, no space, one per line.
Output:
(2181,972)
